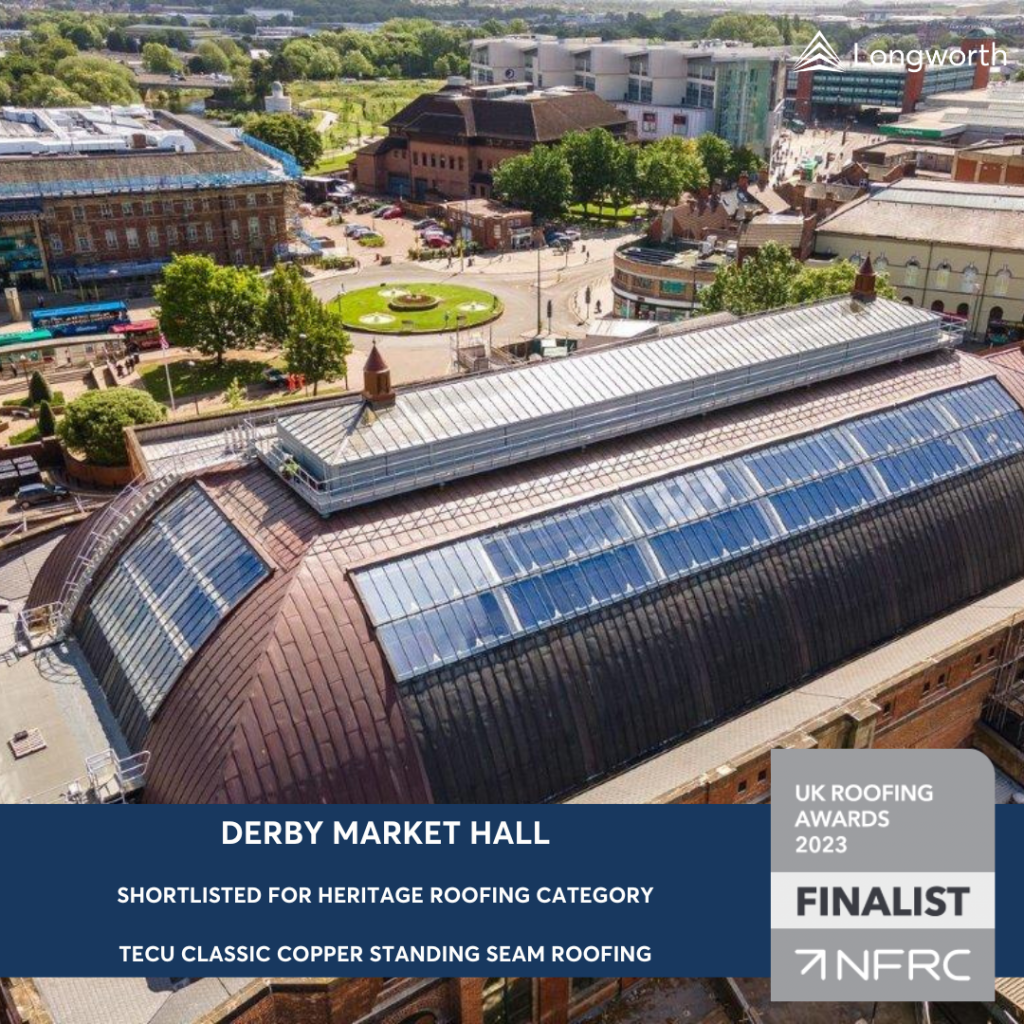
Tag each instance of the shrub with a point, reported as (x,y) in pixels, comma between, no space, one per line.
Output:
(39,389)
(370,241)
(95,423)
(47,421)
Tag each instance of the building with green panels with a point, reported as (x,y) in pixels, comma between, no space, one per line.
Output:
(748,94)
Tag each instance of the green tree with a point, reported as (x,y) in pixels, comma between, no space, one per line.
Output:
(95,422)
(210,308)
(763,281)
(85,36)
(756,29)
(539,181)
(39,388)
(356,65)
(212,56)
(290,133)
(318,345)
(716,155)
(813,283)
(97,80)
(234,395)
(159,59)
(46,420)
(669,168)
(592,157)
(626,176)
(288,300)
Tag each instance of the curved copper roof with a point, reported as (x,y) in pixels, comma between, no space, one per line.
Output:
(292,699)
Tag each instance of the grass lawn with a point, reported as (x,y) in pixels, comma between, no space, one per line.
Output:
(27,403)
(204,378)
(25,436)
(370,310)
(362,109)
(604,212)
(333,163)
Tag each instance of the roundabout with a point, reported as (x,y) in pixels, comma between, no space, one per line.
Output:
(422,308)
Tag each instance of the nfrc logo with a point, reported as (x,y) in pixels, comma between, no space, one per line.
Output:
(883,875)
(818,55)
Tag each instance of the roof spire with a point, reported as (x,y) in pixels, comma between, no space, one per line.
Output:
(377,389)
(864,282)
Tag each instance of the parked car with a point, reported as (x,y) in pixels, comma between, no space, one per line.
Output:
(427,222)
(558,240)
(437,241)
(381,211)
(357,230)
(40,494)
(393,214)
(572,234)
(275,378)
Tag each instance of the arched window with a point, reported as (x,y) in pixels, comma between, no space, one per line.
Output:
(881,263)
(1001,285)
(969,279)
(908,300)
(508,1001)
(911,272)
(995,313)
(942,272)
(856,258)
(938,306)
(963,310)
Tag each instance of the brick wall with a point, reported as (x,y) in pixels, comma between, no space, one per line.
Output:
(231,225)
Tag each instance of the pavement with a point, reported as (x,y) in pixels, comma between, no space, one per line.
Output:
(826,141)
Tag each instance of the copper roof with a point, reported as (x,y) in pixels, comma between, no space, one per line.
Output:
(292,699)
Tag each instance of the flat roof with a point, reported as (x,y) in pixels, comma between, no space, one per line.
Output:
(658,778)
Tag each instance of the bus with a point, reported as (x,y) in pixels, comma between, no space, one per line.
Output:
(94,318)
(142,334)
(23,337)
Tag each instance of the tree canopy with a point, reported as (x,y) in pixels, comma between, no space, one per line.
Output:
(290,133)
(95,422)
(211,308)
(773,277)
(539,181)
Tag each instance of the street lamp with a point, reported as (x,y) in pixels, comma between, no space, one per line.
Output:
(195,397)
(540,321)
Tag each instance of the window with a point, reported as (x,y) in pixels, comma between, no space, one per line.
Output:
(168,206)
(78,213)
(56,245)
(977,660)
(911,272)
(762,775)
(887,709)
(153,236)
(106,210)
(441,161)
(942,272)
(83,243)
(189,206)
(172,234)
(507,1001)
(991,654)
(942,679)
(166,595)
(127,209)
(110,236)
(1001,285)
(209,233)
(250,199)
(254,227)
(147,207)
(235,231)
(192,233)
(272,226)
(742,787)
(579,986)
(132,236)
(927,687)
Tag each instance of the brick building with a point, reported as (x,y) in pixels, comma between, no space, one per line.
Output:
(108,218)
(991,163)
(445,145)
(492,225)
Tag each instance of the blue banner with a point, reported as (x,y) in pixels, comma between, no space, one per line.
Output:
(184,891)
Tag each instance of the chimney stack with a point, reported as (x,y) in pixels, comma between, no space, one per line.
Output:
(377,390)
(864,282)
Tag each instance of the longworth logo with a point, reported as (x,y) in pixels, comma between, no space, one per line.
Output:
(818,55)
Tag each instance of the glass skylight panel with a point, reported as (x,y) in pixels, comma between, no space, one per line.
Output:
(169,591)
(450,603)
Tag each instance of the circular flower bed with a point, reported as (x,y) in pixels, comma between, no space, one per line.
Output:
(413,302)
(423,307)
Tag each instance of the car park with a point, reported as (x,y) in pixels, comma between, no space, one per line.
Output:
(40,494)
